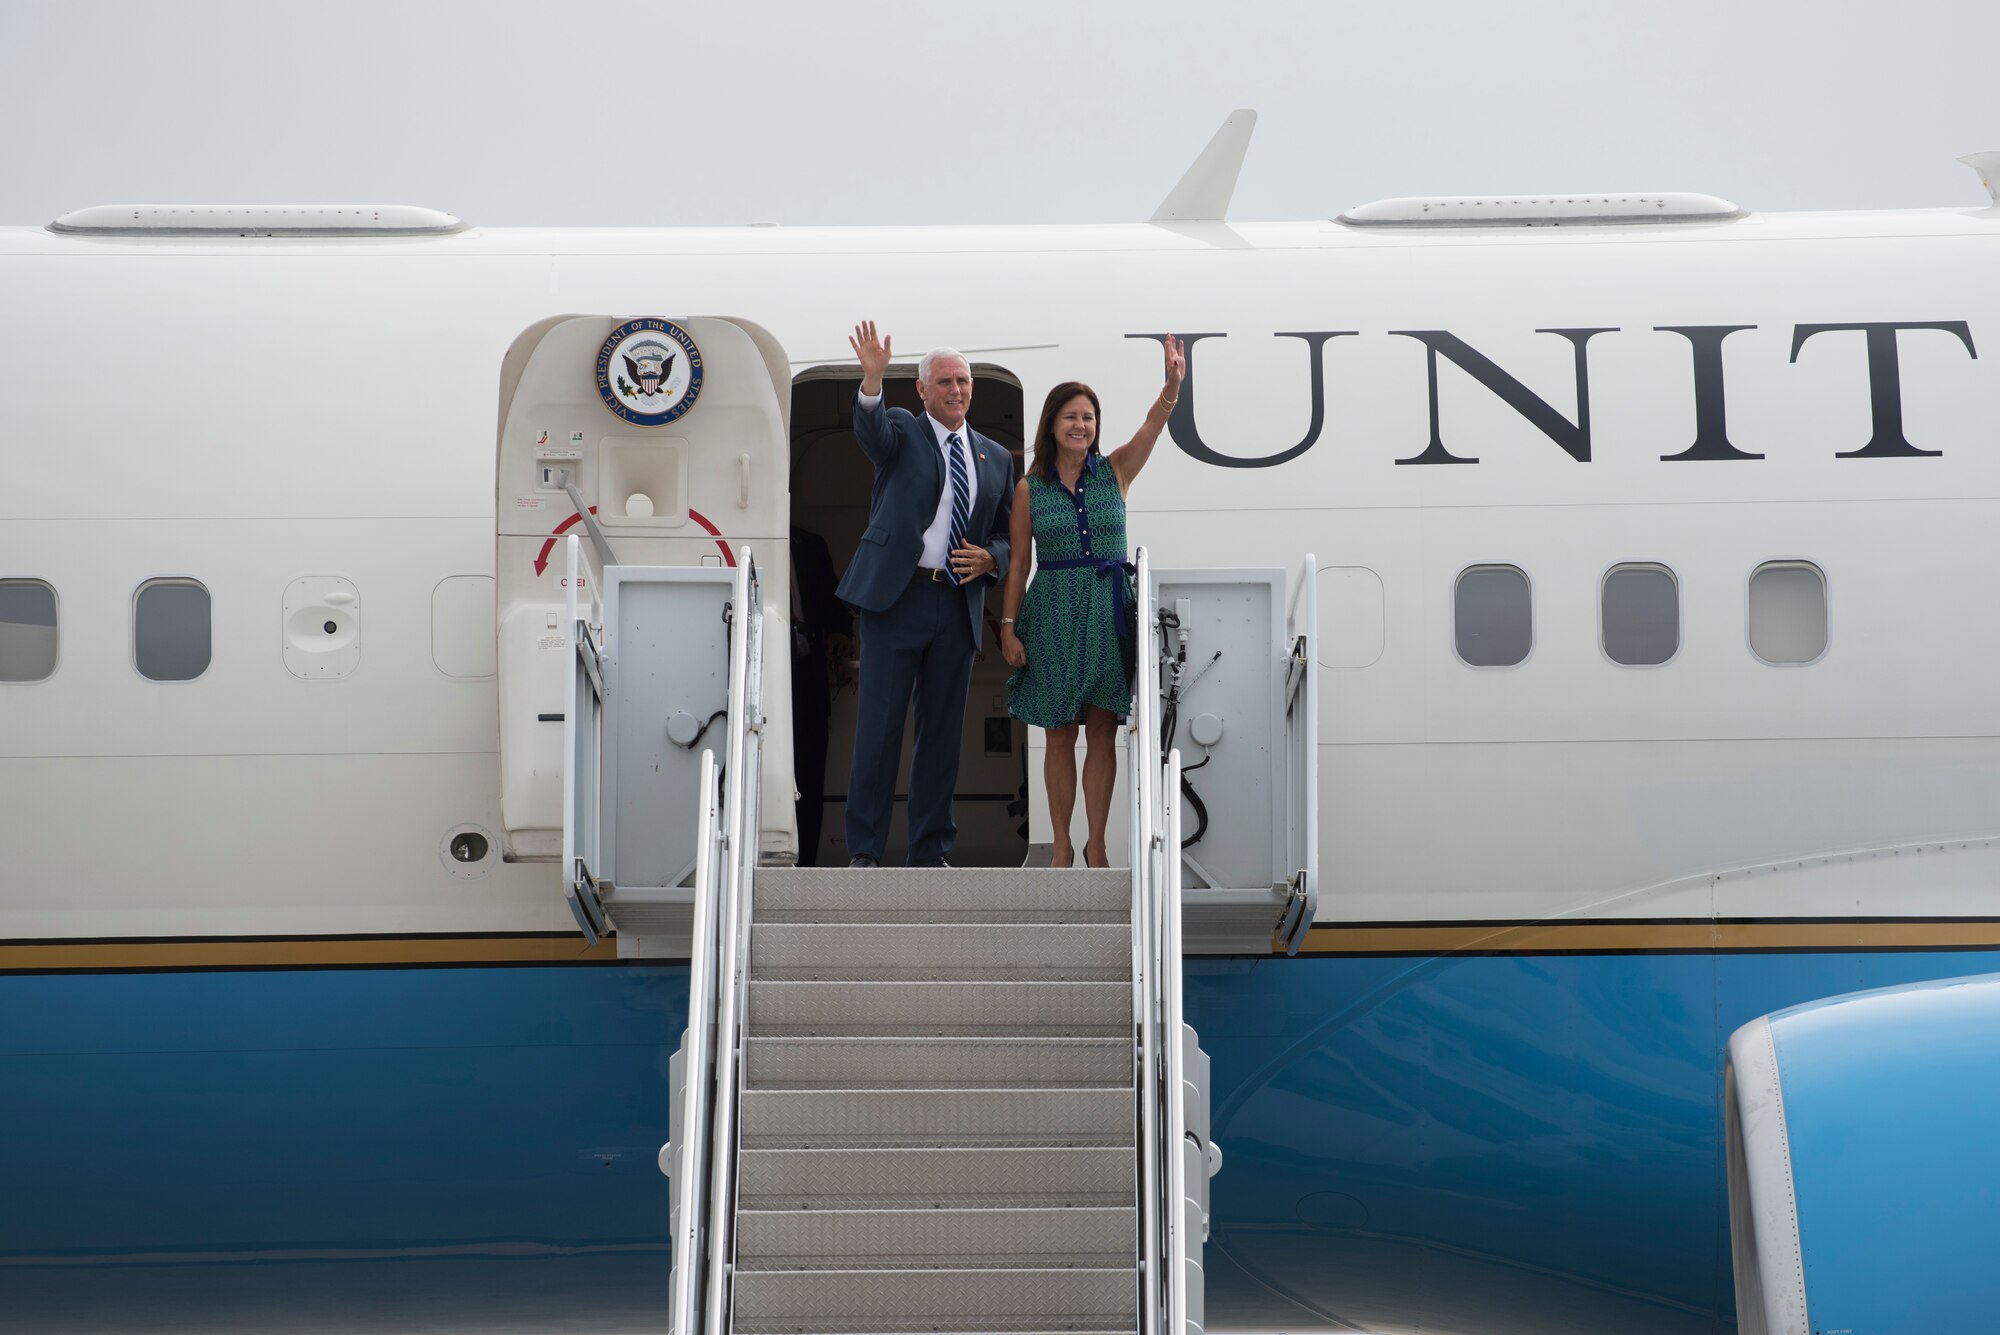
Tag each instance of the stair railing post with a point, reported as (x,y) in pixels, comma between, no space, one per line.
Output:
(738,857)
(583,753)
(691,1170)
(1175,1140)
(1302,757)
(749,835)
(1144,759)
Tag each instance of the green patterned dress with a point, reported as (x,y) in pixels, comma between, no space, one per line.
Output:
(1075,620)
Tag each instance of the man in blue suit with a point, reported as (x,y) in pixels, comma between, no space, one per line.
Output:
(936,541)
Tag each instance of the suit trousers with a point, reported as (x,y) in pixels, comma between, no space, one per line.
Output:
(811,711)
(920,645)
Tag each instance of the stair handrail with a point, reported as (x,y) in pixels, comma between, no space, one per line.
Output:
(1172,1022)
(1143,746)
(583,744)
(1164,1241)
(690,1175)
(741,819)
(705,1129)
(1301,703)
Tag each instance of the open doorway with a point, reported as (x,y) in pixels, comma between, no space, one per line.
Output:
(830,484)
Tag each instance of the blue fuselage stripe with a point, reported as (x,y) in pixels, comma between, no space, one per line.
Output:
(1545,1127)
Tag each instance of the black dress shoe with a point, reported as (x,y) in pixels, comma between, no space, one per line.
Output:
(939,863)
(861,860)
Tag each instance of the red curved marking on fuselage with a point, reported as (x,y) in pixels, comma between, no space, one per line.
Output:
(542,559)
(728,557)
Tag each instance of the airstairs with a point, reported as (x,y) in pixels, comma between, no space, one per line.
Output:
(938,1122)
(906,1100)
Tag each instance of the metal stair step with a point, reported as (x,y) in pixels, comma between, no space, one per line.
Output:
(938,1063)
(1090,1239)
(781,1009)
(772,1302)
(930,895)
(908,1177)
(1100,952)
(855,1118)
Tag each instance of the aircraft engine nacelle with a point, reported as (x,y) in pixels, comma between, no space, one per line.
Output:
(1864,1162)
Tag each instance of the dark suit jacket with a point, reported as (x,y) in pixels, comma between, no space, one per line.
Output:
(909,478)
(817,610)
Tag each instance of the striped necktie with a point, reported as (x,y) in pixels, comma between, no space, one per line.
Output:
(961,501)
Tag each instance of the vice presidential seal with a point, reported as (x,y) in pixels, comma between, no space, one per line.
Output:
(649,372)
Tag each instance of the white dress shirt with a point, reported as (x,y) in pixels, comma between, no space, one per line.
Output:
(937,537)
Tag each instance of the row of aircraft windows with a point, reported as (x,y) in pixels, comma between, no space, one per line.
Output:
(1492,621)
(1639,614)
(170,629)
(172,637)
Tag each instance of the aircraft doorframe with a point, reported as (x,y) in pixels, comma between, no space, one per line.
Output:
(829,488)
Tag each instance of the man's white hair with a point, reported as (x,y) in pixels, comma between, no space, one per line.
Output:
(938,354)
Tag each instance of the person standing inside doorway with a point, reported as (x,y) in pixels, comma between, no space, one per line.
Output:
(822,633)
(1070,634)
(939,517)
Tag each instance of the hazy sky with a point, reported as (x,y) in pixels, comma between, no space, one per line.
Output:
(658,112)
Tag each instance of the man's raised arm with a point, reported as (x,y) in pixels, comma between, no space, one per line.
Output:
(871,423)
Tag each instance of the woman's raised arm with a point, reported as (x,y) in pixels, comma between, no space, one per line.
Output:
(1129,458)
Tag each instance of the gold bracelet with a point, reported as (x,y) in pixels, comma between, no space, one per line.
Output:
(1168,403)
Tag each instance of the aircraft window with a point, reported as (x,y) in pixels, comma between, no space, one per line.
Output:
(170,630)
(27,629)
(1492,616)
(1787,612)
(1641,607)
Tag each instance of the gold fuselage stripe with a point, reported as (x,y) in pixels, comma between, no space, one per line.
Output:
(300,953)
(1612,937)
(1599,936)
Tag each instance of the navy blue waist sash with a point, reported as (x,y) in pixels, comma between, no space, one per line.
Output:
(1102,564)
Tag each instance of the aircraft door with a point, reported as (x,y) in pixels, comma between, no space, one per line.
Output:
(1239,698)
(669,438)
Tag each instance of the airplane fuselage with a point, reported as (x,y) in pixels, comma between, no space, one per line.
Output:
(246,983)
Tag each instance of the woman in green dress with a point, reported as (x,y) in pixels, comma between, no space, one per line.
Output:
(1069,637)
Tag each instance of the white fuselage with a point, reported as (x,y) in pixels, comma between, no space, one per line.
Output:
(251,412)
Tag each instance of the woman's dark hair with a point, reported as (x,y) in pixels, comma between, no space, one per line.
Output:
(1046,449)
